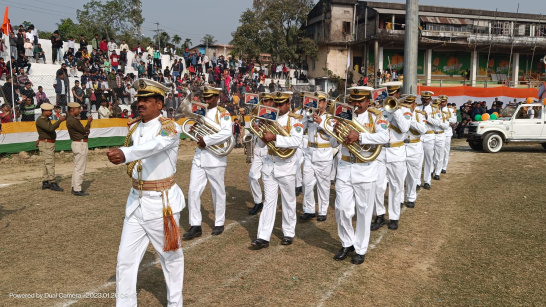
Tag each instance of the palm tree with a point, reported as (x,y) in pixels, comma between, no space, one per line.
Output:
(176,39)
(187,43)
(208,40)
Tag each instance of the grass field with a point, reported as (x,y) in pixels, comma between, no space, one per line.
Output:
(476,238)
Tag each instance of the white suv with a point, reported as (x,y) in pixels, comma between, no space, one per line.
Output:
(516,123)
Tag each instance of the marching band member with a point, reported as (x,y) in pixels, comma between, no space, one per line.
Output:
(393,157)
(255,172)
(153,207)
(451,116)
(440,141)
(206,166)
(356,179)
(429,138)
(301,150)
(317,164)
(414,151)
(279,173)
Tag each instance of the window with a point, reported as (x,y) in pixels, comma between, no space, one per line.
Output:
(346,27)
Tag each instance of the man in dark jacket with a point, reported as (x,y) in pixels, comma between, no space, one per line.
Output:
(56,44)
(61,89)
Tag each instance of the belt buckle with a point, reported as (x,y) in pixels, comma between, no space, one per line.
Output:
(353,159)
(407,141)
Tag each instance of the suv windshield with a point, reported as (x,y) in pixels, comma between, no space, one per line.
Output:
(508,111)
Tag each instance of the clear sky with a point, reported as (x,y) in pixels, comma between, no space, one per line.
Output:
(193,19)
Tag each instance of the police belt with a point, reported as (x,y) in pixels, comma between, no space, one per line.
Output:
(317,145)
(438,132)
(153,185)
(393,145)
(430,132)
(351,159)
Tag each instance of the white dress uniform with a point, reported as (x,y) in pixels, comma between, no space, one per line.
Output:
(392,163)
(255,172)
(143,222)
(301,155)
(440,141)
(452,119)
(206,166)
(317,167)
(356,184)
(280,174)
(428,140)
(414,154)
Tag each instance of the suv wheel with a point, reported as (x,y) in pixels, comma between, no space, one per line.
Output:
(492,143)
(476,145)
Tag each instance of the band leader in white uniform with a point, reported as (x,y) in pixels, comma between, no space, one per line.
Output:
(356,180)
(393,155)
(414,151)
(451,117)
(255,172)
(152,160)
(440,141)
(428,139)
(206,166)
(278,173)
(317,164)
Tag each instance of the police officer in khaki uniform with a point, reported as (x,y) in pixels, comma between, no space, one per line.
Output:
(46,144)
(79,135)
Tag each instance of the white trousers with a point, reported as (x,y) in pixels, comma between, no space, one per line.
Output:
(334,167)
(135,237)
(347,195)
(316,173)
(447,150)
(254,175)
(198,180)
(396,172)
(414,164)
(380,188)
(288,199)
(439,151)
(428,148)
(299,163)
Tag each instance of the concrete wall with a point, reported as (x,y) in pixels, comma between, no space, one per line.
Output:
(338,15)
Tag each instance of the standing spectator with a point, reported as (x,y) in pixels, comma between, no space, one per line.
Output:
(236,130)
(71,43)
(83,42)
(112,46)
(34,33)
(29,48)
(77,92)
(86,95)
(170,101)
(123,46)
(20,40)
(150,49)
(95,42)
(114,61)
(56,46)
(103,46)
(157,57)
(39,53)
(131,92)
(61,86)
(13,45)
(123,60)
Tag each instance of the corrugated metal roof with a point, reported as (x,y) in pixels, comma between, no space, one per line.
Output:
(447,20)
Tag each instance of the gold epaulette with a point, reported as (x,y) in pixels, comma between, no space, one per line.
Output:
(222,109)
(168,126)
(132,121)
(294,115)
(375,111)
(296,110)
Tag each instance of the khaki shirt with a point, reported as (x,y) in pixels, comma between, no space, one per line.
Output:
(46,130)
(75,128)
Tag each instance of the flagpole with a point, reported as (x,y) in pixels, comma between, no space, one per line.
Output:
(11,73)
(348,64)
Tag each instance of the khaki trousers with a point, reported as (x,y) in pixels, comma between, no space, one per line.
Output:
(47,151)
(79,150)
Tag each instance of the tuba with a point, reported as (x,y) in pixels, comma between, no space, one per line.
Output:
(343,130)
(202,126)
(273,127)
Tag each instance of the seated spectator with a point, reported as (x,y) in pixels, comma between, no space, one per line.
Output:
(39,53)
(22,78)
(71,66)
(105,111)
(27,110)
(83,112)
(27,91)
(5,114)
(22,62)
(41,96)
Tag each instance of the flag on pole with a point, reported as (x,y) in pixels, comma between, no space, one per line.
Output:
(5,24)
(349,59)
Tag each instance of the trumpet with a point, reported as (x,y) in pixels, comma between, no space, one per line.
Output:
(273,127)
(391,104)
(343,129)
(201,127)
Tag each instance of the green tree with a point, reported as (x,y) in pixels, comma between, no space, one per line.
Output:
(163,38)
(208,40)
(187,43)
(111,17)
(68,28)
(176,39)
(247,38)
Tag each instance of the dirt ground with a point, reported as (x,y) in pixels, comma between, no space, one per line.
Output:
(476,238)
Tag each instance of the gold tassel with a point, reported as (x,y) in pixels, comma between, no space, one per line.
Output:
(172,233)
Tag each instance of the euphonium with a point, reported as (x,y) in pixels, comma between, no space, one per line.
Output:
(275,128)
(343,130)
(202,126)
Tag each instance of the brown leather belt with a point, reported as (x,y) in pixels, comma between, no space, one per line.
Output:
(154,185)
(317,145)
(82,140)
(438,132)
(47,140)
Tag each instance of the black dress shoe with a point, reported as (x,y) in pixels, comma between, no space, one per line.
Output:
(299,190)
(256,209)
(410,204)
(417,188)
(393,224)
(307,216)
(321,218)
(217,230)
(287,240)
(55,187)
(343,252)
(260,243)
(358,259)
(379,221)
(436,177)
(443,171)
(401,205)
(45,185)
(426,186)
(79,193)
(195,231)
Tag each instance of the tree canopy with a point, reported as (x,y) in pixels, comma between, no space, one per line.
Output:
(275,26)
